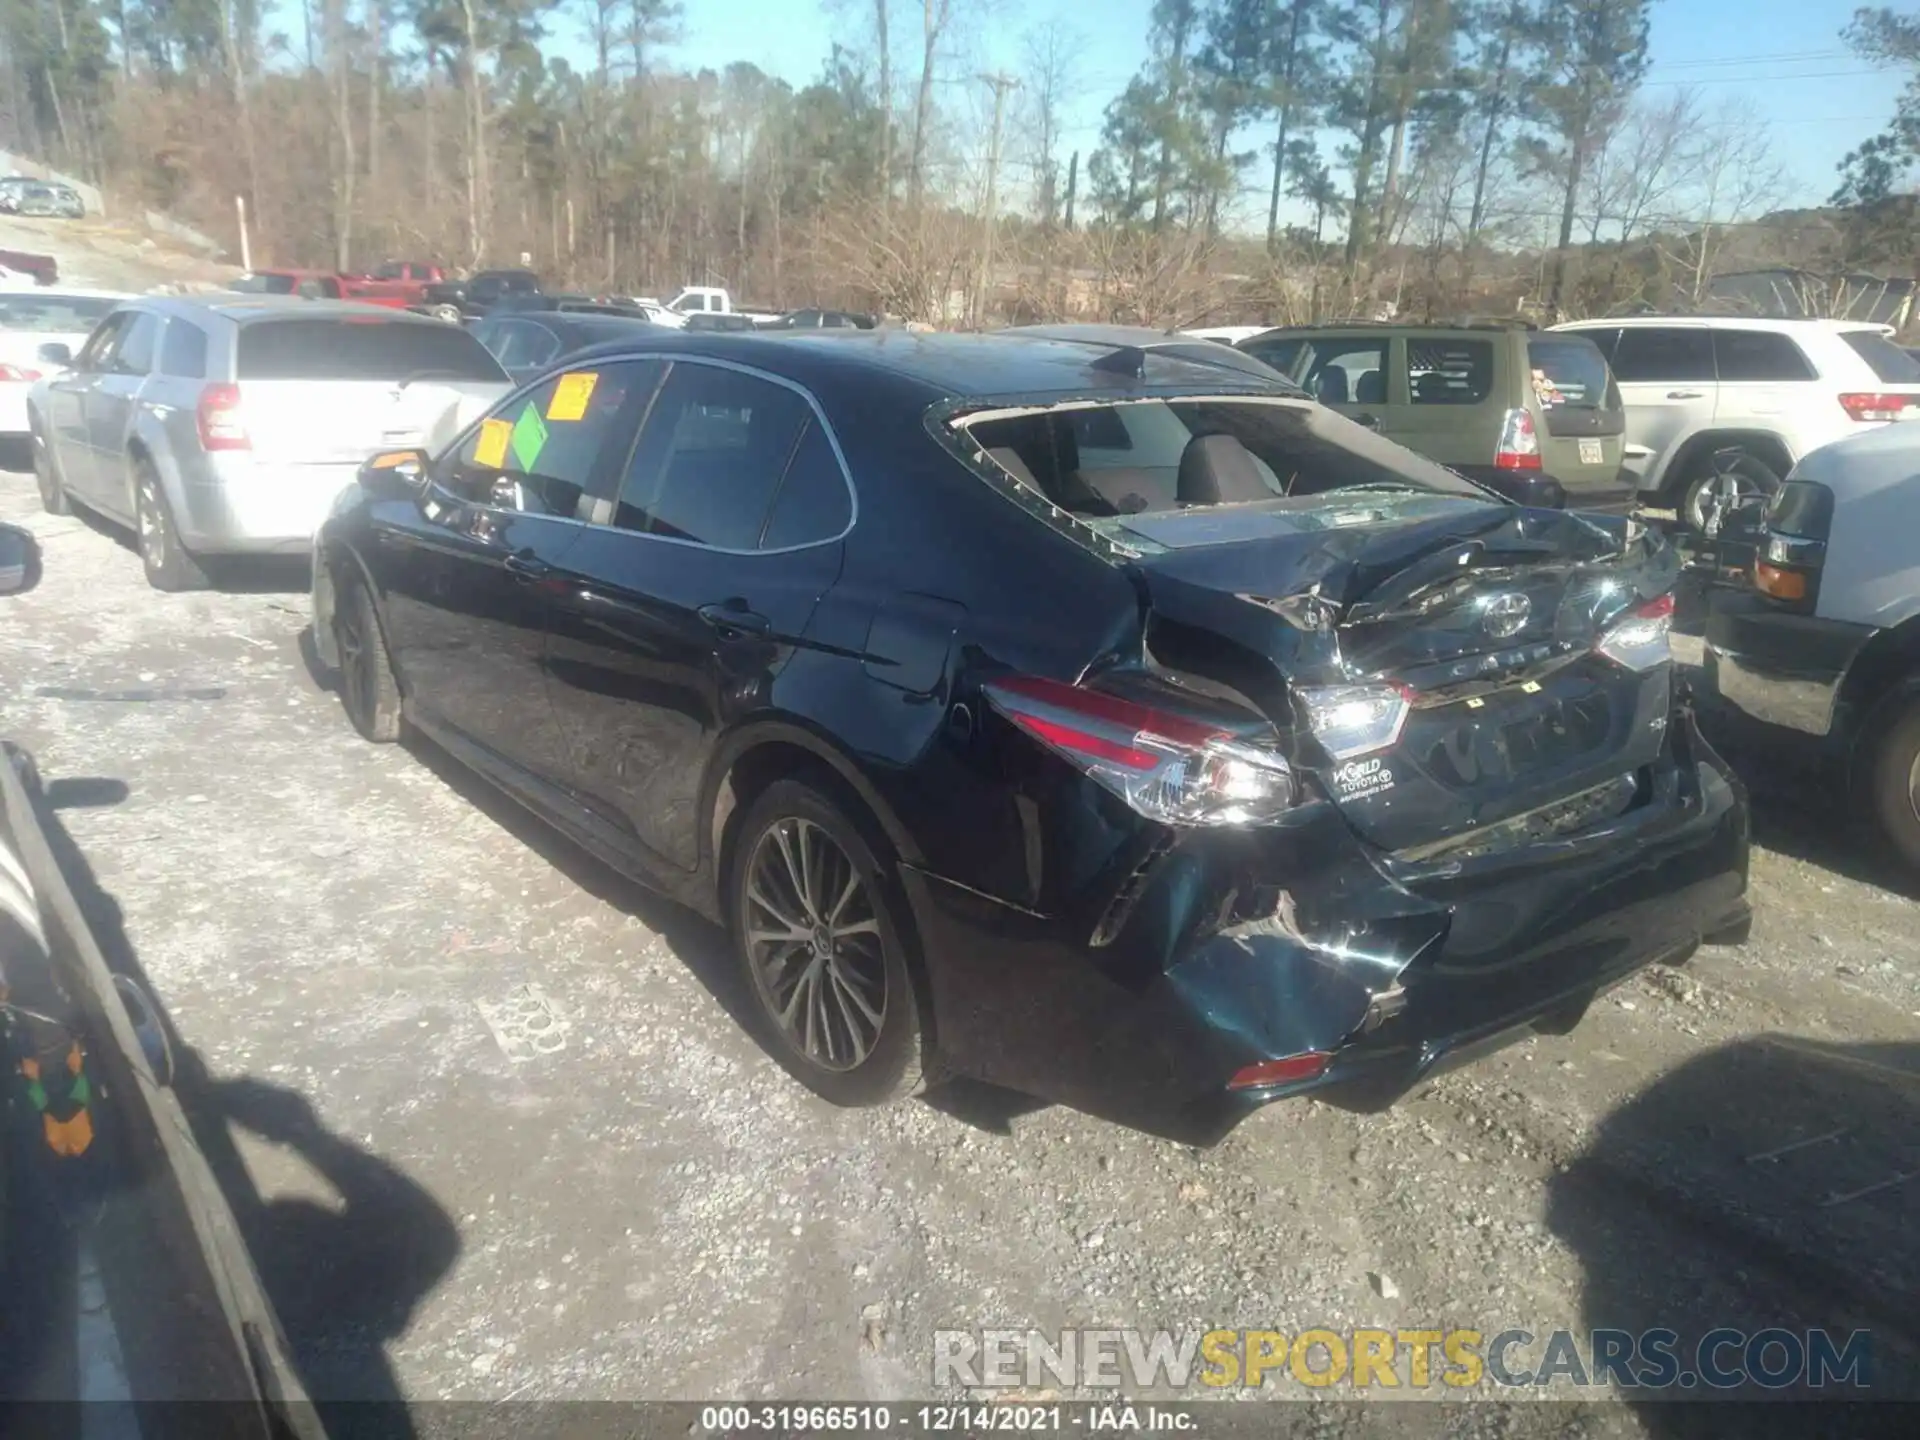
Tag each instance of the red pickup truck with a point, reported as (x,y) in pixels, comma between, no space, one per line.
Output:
(398,286)
(44,268)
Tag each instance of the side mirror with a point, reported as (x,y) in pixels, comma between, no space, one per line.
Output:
(19,560)
(55,353)
(396,475)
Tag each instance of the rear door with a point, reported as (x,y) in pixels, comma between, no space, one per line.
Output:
(1666,379)
(470,578)
(1452,412)
(681,606)
(110,409)
(1764,378)
(329,390)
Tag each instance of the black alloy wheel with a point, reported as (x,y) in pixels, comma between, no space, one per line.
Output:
(368,690)
(814,919)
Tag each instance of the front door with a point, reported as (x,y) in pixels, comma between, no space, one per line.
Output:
(67,395)
(681,609)
(470,574)
(110,409)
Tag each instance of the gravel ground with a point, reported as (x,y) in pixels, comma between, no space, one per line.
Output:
(549,1162)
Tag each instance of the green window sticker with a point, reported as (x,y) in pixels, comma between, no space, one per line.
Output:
(529,436)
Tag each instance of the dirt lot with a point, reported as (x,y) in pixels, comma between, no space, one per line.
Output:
(108,255)
(548,1163)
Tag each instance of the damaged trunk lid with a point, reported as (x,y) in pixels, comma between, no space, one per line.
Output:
(1455,674)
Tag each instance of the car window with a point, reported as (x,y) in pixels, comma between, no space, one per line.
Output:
(321,287)
(537,345)
(97,353)
(362,347)
(40,312)
(1658,353)
(1568,370)
(550,439)
(1204,452)
(184,351)
(1758,355)
(1336,370)
(1890,363)
(1449,372)
(135,353)
(813,502)
(710,460)
(268,284)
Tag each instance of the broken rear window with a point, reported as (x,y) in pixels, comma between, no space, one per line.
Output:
(1153,456)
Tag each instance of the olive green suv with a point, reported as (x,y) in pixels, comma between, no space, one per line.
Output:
(1531,413)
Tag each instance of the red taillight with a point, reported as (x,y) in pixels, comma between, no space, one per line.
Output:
(1288,1070)
(16,372)
(1868,408)
(1519,447)
(221,427)
(1167,767)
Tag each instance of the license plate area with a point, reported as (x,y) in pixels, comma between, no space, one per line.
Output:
(1592,452)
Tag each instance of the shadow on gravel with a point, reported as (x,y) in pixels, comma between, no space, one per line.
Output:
(345,1278)
(229,574)
(1777,1171)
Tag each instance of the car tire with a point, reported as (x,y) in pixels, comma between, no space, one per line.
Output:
(53,494)
(449,313)
(1894,779)
(839,1004)
(169,565)
(368,690)
(1741,476)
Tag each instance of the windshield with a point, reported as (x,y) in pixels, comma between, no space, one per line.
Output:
(1156,456)
(266,284)
(1571,371)
(39,313)
(362,347)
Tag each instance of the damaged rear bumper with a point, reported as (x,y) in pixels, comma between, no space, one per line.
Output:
(1245,947)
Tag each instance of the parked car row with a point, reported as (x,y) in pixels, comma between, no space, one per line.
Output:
(25,195)
(1698,415)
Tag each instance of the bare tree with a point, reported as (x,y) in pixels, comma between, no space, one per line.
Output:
(935,16)
(1735,178)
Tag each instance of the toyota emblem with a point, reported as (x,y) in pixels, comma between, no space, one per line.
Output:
(1505,614)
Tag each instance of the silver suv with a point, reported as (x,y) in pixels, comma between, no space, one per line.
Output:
(227,425)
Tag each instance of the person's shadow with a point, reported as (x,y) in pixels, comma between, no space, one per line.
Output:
(343,1279)
(1770,1185)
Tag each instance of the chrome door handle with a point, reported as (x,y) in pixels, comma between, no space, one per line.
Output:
(1685,395)
(153,407)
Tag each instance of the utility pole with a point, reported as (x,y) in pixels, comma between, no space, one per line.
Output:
(1001,84)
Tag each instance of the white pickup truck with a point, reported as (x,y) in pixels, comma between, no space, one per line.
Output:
(712,300)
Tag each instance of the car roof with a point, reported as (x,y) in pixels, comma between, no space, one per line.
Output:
(245,309)
(948,366)
(1783,324)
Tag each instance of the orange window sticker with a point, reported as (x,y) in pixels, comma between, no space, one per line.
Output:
(571,395)
(490,452)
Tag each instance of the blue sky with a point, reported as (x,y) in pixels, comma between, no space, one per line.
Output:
(1785,56)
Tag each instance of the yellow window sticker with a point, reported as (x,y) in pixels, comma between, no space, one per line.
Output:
(490,453)
(571,395)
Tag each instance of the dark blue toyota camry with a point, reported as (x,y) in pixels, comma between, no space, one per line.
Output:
(1094,715)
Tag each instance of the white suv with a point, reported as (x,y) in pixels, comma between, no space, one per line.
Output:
(1720,408)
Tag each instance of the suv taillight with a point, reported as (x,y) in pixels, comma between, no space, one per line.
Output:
(1870,408)
(1519,447)
(221,427)
(1166,767)
(18,373)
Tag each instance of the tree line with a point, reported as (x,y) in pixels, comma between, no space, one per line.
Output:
(1285,157)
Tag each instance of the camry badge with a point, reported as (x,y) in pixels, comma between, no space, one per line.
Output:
(1505,614)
